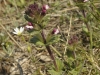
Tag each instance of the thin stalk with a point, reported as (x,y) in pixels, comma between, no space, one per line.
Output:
(84,15)
(89,29)
(49,51)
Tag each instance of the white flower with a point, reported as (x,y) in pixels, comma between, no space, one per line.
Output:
(18,31)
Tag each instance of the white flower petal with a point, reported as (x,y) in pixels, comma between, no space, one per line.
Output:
(14,32)
(16,29)
(21,29)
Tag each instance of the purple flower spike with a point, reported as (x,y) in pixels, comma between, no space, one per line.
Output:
(32,10)
(55,31)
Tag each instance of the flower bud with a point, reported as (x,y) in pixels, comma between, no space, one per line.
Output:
(73,40)
(43,13)
(85,0)
(45,7)
(55,31)
(32,10)
(44,10)
(29,26)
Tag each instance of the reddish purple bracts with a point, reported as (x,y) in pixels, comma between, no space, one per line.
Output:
(32,10)
(55,31)
(73,40)
(45,7)
(29,26)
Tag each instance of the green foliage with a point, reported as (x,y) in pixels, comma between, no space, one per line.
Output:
(53,39)
(85,30)
(60,66)
(3,38)
(37,40)
(34,21)
(8,48)
(52,72)
(29,19)
(19,3)
(45,21)
(72,17)
(6,45)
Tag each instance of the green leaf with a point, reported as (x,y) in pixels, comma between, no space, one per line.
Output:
(45,20)
(53,39)
(33,31)
(22,2)
(37,40)
(59,64)
(34,21)
(85,29)
(28,18)
(52,72)
(74,72)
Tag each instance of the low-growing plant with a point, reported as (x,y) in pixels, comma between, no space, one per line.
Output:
(78,55)
(36,16)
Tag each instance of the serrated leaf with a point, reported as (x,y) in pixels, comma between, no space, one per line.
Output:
(74,72)
(37,41)
(33,31)
(45,20)
(28,18)
(60,64)
(52,72)
(53,39)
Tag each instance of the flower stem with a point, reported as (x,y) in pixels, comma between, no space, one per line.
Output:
(49,51)
(52,57)
(84,15)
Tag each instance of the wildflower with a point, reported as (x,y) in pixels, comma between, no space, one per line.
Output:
(43,12)
(55,31)
(85,0)
(45,7)
(73,40)
(18,31)
(29,26)
(81,1)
